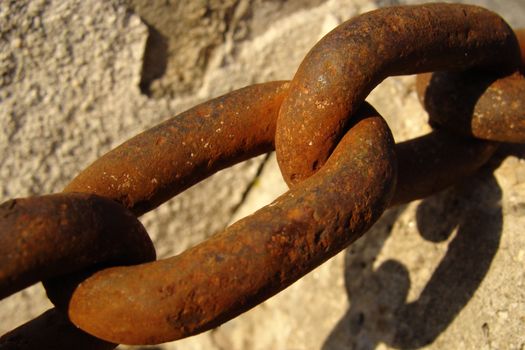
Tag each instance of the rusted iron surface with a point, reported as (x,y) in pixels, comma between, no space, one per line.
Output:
(154,166)
(103,176)
(51,330)
(340,71)
(48,236)
(477,104)
(204,286)
(469,155)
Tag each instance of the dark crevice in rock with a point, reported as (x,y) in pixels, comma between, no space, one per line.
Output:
(155,59)
(250,186)
(184,37)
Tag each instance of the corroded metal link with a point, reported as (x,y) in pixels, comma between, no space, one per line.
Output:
(236,128)
(470,154)
(154,166)
(49,236)
(340,71)
(204,287)
(477,104)
(150,187)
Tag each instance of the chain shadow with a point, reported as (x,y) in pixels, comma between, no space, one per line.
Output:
(379,311)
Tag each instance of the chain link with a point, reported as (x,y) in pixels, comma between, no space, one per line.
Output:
(335,151)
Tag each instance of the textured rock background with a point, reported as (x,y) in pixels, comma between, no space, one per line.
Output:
(79,77)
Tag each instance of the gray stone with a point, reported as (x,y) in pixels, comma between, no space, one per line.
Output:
(186,37)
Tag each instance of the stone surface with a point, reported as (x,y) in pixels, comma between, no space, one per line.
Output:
(193,27)
(187,37)
(444,272)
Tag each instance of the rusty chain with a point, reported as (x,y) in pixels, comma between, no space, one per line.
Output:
(335,151)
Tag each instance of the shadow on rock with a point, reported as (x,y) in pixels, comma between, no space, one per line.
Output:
(470,215)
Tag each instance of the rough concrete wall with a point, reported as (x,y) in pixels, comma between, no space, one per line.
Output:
(184,37)
(446,272)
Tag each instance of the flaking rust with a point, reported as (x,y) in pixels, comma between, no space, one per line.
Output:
(485,105)
(413,183)
(48,236)
(474,104)
(204,286)
(152,167)
(342,69)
